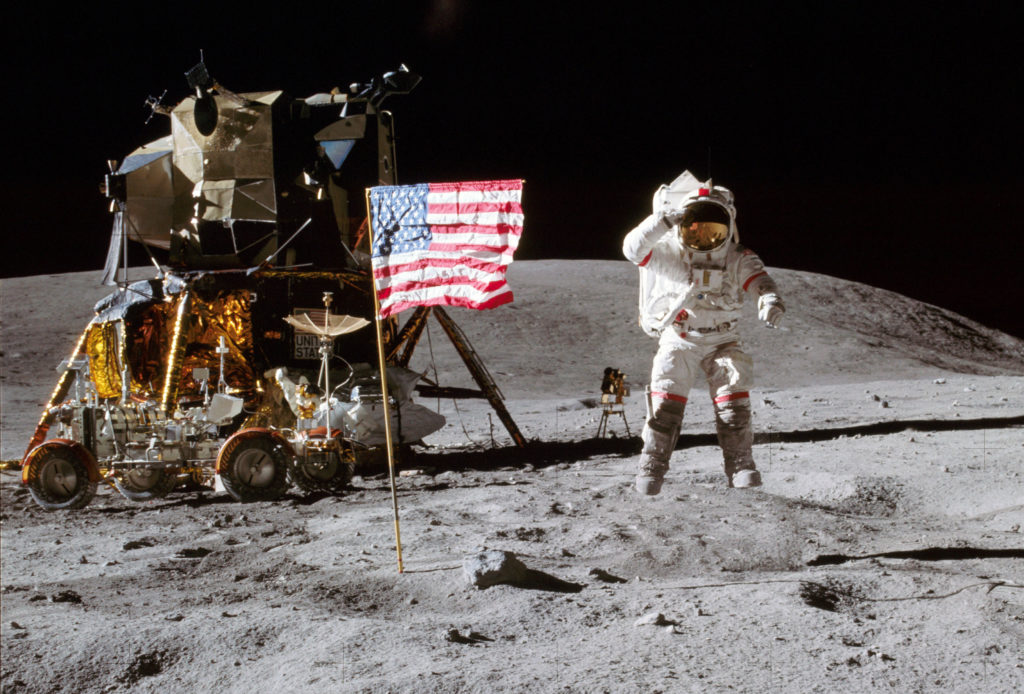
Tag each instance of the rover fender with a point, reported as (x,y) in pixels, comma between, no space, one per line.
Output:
(79,451)
(245,434)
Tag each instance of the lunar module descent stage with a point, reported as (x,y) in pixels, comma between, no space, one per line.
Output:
(241,365)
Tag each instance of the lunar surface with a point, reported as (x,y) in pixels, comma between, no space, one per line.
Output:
(884,552)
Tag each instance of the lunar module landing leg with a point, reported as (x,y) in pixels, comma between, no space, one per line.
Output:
(401,349)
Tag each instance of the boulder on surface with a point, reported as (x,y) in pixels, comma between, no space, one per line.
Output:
(489,567)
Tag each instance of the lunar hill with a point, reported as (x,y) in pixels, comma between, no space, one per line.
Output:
(570,319)
(884,551)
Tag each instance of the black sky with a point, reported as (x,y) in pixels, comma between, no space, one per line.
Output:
(879,142)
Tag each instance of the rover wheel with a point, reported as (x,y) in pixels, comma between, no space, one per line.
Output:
(58,480)
(145,484)
(255,469)
(327,471)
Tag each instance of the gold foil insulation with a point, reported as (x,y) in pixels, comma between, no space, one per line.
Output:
(173,339)
(102,345)
(227,315)
(146,345)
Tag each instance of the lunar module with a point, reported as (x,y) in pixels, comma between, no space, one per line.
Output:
(241,364)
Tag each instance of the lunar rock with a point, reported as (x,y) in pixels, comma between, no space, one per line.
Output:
(656,619)
(490,567)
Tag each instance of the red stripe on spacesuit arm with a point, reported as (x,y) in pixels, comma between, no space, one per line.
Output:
(647,259)
(752,278)
(732,396)
(667,396)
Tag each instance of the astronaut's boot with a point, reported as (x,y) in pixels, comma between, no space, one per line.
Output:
(732,419)
(660,434)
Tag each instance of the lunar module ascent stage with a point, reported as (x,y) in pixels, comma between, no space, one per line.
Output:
(243,364)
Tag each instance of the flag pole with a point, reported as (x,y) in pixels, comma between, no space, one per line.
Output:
(384,389)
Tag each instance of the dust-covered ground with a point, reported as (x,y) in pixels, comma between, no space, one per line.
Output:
(884,552)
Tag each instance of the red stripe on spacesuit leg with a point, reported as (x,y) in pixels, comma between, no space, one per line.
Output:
(752,278)
(732,396)
(646,259)
(668,396)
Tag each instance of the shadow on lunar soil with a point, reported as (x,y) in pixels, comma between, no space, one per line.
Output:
(548,453)
(883,428)
(924,554)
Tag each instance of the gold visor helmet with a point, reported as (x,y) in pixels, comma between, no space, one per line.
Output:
(704,226)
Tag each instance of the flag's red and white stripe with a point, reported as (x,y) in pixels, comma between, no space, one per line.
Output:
(475,229)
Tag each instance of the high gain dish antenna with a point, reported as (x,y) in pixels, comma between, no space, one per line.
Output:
(326,328)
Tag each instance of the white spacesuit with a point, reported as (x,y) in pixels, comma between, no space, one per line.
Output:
(694,275)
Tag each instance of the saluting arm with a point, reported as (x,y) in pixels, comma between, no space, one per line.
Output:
(639,244)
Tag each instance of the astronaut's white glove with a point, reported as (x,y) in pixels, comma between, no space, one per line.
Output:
(672,218)
(770,309)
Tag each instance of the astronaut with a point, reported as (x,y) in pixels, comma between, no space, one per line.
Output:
(694,276)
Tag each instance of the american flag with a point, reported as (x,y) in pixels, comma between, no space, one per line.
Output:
(444,243)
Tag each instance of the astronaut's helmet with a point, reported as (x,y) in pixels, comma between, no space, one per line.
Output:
(705,226)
